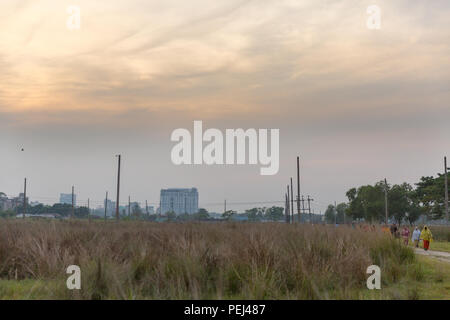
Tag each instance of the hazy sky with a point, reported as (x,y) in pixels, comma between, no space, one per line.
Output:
(357,105)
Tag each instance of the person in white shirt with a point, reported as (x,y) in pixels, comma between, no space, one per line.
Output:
(416,237)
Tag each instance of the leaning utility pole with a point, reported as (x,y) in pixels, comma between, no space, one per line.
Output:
(24,198)
(73,201)
(292,201)
(446,188)
(386,200)
(118,189)
(106,204)
(298,188)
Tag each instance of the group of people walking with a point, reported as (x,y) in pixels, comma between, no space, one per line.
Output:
(425,235)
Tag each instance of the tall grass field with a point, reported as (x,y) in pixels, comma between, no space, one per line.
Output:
(144,260)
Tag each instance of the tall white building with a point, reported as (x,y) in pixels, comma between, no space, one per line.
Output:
(179,201)
(66,198)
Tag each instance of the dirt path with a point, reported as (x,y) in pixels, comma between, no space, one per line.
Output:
(440,255)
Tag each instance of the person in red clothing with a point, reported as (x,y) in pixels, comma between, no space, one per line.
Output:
(427,237)
(405,235)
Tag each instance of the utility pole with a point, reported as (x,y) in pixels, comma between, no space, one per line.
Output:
(24,198)
(106,204)
(225,206)
(89,211)
(386,200)
(73,201)
(309,209)
(118,188)
(446,188)
(298,188)
(286,209)
(146,207)
(289,206)
(129,206)
(292,201)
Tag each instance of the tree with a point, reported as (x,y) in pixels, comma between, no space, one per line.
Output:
(274,213)
(330,214)
(252,214)
(430,193)
(171,216)
(228,214)
(136,210)
(366,202)
(401,202)
(7,214)
(341,209)
(202,214)
(256,214)
(355,208)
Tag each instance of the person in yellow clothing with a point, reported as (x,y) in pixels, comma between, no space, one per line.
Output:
(427,237)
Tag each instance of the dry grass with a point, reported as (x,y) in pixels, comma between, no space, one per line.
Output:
(141,260)
(441,233)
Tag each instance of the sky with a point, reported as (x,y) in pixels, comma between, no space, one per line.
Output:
(356,104)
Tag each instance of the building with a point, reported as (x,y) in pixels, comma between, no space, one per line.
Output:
(11,203)
(110,207)
(5,203)
(179,201)
(66,198)
(134,208)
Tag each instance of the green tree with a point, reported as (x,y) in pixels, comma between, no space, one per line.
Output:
(252,214)
(402,204)
(330,214)
(171,216)
(274,213)
(228,214)
(202,214)
(355,208)
(430,194)
(341,210)
(366,202)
